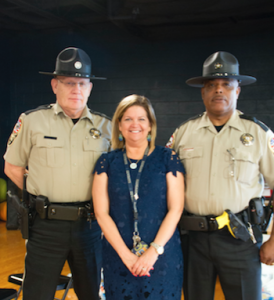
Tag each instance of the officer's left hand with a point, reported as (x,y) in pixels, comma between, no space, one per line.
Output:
(267,252)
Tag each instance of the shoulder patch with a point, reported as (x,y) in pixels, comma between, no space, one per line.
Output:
(271,143)
(99,114)
(46,106)
(15,131)
(253,119)
(171,142)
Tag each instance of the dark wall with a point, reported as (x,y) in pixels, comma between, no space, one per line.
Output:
(5,98)
(156,69)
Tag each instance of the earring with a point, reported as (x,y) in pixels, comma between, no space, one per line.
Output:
(120,137)
(149,137)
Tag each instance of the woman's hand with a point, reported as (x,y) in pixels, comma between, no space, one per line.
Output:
(130,260)
(145,263)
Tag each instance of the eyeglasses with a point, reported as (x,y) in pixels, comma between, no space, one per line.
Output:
(70,84)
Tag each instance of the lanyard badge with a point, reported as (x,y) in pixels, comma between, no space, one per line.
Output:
(134,195)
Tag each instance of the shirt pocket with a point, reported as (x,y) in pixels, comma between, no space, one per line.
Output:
(246,167)
(93,149)
(51,151)
(191,158)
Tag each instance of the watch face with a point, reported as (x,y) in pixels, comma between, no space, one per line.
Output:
(160,250)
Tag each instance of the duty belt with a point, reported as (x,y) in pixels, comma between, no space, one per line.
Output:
(62,211)
(204,223)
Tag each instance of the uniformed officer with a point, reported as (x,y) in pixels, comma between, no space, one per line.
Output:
(226,154)
(60,144)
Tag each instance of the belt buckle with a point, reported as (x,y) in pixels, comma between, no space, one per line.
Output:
(212,224)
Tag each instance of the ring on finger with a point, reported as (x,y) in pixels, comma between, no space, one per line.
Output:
(143,269)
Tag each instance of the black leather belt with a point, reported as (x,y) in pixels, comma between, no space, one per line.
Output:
(62,211)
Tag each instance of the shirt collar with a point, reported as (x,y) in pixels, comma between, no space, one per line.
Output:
(86,112)
(234,121)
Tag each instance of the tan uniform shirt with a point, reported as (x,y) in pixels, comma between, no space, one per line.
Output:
(224,170)
(60,155)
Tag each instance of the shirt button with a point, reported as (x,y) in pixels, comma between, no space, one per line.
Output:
(75,164)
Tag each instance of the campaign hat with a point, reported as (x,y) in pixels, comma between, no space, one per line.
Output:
(73,62)
(220,64)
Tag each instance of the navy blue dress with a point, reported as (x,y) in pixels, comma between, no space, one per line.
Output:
(167,277)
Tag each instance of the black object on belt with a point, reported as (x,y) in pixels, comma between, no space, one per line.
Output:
(62,211)
(204,223)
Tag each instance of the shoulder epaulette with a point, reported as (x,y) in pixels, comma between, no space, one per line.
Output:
(191,119)
(46,106)
(99,114)
(253,119)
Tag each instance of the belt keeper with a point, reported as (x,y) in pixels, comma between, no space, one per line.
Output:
(41,206)
(212,224)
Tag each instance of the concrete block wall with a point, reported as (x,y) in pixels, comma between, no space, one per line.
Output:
(156,69)
(5,103)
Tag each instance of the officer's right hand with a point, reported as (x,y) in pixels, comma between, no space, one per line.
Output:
(267,252)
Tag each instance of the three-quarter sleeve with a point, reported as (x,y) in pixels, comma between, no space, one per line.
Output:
(102,164)
(173,163)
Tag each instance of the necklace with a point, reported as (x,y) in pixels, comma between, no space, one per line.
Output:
(133,165)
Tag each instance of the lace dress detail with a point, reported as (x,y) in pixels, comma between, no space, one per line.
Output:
(166,279)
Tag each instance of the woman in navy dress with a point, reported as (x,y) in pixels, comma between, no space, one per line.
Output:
(158,273)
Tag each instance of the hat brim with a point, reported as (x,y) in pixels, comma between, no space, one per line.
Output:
(199,81)
(92,77)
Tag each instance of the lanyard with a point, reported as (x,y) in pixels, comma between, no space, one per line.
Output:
(134,195)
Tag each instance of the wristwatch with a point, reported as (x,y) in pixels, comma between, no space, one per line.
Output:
(158,248)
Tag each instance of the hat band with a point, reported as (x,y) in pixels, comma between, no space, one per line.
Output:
(69,74)
(222,74)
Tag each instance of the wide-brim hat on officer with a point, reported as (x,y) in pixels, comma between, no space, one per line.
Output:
(220,65)
(73,62)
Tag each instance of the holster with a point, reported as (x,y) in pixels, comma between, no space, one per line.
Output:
(268,210)
(41,206)
(256,211)
(23,214)
(236,227)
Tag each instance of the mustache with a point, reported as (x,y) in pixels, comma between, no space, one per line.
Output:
(219,97)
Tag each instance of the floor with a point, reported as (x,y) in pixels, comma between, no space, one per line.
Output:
(12,253)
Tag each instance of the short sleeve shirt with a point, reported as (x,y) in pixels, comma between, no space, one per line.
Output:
(60,155)
(225,169)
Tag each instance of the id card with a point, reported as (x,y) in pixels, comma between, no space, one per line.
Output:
(140,248)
